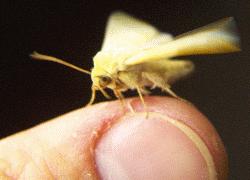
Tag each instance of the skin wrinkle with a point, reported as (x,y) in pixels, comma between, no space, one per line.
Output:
(48,169)
(23,165)
(66,160)
(60,158)
(4,165)
(37,163)
(26,170)
(105,126)
(44,164)
(36,160)
(64,163)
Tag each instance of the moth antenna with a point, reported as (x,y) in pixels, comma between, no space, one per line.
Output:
(42,57)
(104,93)
(92,99)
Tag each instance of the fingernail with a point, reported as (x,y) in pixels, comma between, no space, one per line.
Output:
(154,148)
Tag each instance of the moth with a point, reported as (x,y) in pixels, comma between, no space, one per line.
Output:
(135,55)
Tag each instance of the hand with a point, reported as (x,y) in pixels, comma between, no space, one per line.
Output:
(175,142)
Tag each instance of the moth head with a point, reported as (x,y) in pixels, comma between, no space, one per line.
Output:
(100,78)
(103,71)
(104,81)
(103,74)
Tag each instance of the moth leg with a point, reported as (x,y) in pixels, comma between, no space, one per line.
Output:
(169,91)
(131,108)
(161,83)
(93,94)
(120,96)
(105,94)
(142,100)
(144,91)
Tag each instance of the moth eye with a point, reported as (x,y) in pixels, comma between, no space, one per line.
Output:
(104,80)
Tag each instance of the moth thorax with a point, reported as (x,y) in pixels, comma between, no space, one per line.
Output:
(107,61)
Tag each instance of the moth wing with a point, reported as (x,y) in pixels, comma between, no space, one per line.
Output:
(168,70)
(159,39)
(126,33)
(176,69)
(218,37)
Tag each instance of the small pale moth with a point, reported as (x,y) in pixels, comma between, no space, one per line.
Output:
(135,55)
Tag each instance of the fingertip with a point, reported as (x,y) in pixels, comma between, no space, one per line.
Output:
(193,118)
(169,144)
(175,141)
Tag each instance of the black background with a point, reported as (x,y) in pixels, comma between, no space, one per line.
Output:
(34,91)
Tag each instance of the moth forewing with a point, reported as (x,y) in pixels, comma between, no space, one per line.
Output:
(126,33)
(218,37)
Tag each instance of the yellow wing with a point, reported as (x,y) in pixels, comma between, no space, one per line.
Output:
(157,40)
(218,37)
(126,33)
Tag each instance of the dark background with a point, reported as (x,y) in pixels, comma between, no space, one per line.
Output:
(34,91)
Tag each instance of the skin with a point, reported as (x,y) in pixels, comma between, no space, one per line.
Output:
(100,141)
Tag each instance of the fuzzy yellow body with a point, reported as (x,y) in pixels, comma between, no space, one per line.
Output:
(135,55)
(152,74)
